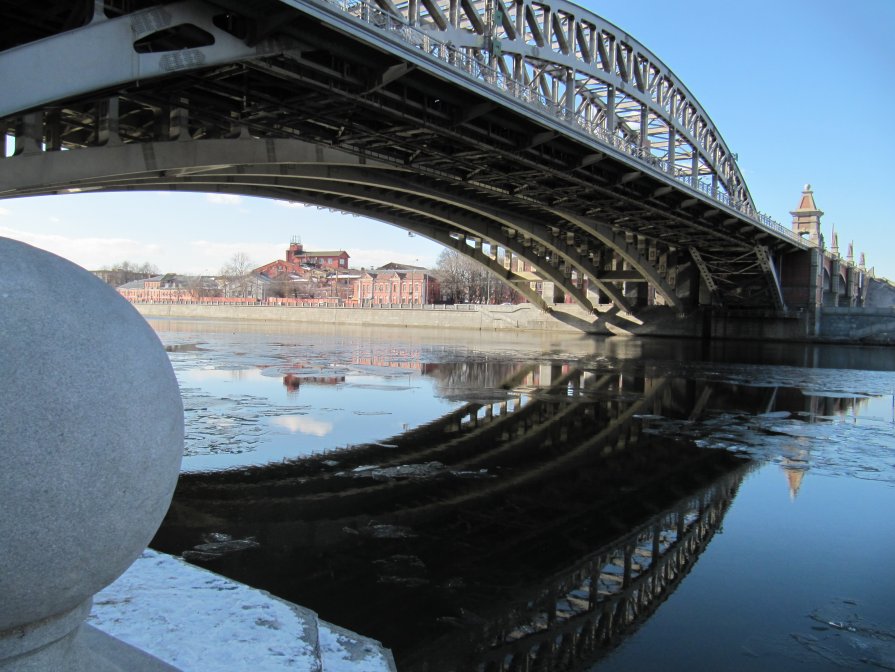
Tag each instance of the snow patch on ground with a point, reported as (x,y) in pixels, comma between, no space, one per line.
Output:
(342,651)
(199,621)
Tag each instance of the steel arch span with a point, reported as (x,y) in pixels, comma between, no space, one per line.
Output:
(330,178)
(533,127)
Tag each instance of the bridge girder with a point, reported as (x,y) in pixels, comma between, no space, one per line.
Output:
(489,151)
(80,61)
(618,242)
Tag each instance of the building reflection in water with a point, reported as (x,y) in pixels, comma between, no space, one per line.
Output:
(407,362)
(531,529)
(293,382)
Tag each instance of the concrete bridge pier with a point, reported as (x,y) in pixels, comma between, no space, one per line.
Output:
(637,294)
(837,286)
(552,293)
(802,282)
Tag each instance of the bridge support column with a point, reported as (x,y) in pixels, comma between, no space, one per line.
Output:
(551,293)
(851,289)
(637,293)
(29,135)
(835,287)
(107,122)
(53,128)
(802,283)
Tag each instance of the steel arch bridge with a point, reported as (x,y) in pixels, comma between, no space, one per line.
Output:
(527,135)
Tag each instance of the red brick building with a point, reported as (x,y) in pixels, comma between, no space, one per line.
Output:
(299,261)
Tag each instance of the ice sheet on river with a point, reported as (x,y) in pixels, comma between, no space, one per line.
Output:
(857,446)
(836,635)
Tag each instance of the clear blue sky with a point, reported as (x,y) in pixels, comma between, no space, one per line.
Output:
(800,90)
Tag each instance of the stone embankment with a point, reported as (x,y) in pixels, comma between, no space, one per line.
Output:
(858,325)
(834,325)
(465,316)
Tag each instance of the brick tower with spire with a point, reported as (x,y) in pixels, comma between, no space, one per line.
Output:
(806,218)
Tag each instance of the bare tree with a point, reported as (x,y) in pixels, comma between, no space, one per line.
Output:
(237,275)
(132,267)
(126,271)
(465,280)
(200,286)
(453,269)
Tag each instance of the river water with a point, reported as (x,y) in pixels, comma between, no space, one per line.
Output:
(487,501)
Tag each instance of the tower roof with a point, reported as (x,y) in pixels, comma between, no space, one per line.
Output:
(794,477)
(807,206)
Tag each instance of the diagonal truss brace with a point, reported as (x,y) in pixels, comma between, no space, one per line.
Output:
(774,287)
(705,273)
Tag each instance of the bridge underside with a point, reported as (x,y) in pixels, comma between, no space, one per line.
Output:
(326,120)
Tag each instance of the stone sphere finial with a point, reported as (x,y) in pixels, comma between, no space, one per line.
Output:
(807,187)
(91,440)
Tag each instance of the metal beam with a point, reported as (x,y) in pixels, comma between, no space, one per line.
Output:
(282,164)
(770,271)
(705,273)
(617,242)
(101,55)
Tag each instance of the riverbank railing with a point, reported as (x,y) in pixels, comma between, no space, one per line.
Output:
(299,303)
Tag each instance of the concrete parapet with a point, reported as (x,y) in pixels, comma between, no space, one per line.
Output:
(91,440)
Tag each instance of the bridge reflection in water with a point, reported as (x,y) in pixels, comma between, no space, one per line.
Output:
(533,531)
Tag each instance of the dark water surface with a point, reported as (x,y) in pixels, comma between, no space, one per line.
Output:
(532,502)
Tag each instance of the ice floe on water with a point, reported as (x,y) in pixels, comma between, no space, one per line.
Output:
(856,445)
(250,398)
(842,635)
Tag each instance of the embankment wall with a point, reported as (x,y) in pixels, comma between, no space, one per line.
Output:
(492,318)
(858,325)
(836,325)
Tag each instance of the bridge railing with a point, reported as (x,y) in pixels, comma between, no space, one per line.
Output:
(475,67)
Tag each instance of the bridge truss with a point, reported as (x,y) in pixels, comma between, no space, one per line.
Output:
(526,135)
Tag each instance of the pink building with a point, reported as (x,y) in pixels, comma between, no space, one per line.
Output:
(393,284)
(170,287)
